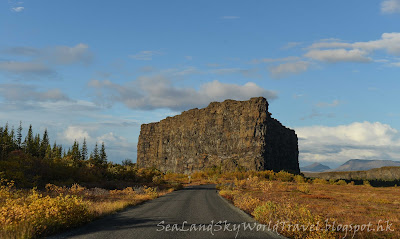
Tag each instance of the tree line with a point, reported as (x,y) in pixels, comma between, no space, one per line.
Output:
(33,161)
(37,146)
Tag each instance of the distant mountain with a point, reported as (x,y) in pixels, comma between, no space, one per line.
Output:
(363,164)
(315,167)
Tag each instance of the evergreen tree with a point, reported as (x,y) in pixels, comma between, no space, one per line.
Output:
(19,135)
(36,146)
(28,143)
(95,155)
(11,139)
(60,152)
(54,151)
(49,154)
(44,144)
(75,153)
(84,150)
(103,155)
(3,144)
(5,137)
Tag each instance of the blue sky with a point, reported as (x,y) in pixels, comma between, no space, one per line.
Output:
(99,69)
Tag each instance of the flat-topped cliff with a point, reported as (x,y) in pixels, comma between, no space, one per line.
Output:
(229,134)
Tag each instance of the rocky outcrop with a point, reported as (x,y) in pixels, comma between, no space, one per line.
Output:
(229,134)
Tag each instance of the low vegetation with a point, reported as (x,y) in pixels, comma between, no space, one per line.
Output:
(382,177)
(45,189)
(299,205)
(316,208)
(33,213)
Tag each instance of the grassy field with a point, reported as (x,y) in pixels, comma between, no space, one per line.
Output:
(318,208)
(309,207)
(295,206)
(33,213)
(385,176)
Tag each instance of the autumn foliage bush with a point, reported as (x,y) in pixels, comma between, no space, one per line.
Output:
(306,208)
(244,196)
(28,214)
(31,213)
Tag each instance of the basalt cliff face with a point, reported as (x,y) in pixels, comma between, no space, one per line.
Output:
(229,134)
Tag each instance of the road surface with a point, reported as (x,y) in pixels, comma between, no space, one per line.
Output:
(193,212)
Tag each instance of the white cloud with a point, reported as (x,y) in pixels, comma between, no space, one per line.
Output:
(145,55)
(17,9)
(224,71)
(363,140)
(62,55)
(249,73)
(289,68)
(291,45)
(113,140)
(325,104)
(339,55)
(65,55)
(396,64)
(213,65)
(147,69)
(382,60)
(78,133)
(389,42)
(357,52)
(217,91)
(110,137)
(16,67)
(65,106)
(22,50)
(330,44)
(187,71)
(316,113)
(390,6)
(270,60)
(42,60)
(158,92)
(19,92)
(118,148)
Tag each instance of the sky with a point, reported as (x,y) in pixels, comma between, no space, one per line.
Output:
(99,69)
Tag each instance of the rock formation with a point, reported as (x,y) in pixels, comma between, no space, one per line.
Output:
(229,134)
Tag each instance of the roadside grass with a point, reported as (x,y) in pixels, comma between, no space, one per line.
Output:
(304,204)
(33,213)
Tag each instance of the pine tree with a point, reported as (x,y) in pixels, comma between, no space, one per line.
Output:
(28,143)
(103,155)
(75,153)
(5,136)
(44,144)
(19,134)
(3,145)
(54,150)
(84,150)
(49,153)
(36,146)
(11,139)
(60,152)
(95,155)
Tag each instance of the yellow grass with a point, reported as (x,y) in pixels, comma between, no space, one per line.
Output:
(318,203)
(28,214)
